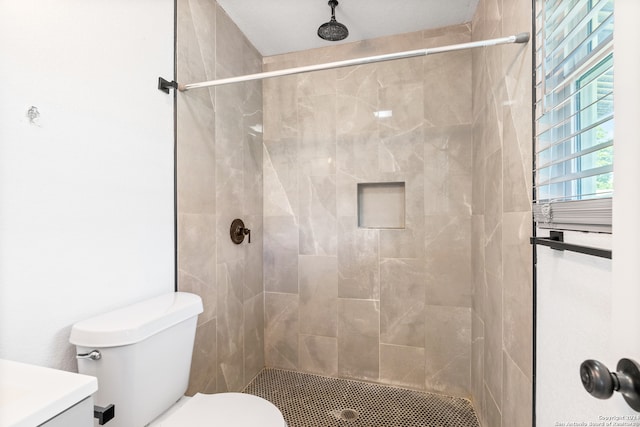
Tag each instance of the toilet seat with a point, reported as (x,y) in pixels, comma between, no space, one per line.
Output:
(226,409)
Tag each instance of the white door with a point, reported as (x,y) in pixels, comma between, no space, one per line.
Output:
(589,308)
(626,205)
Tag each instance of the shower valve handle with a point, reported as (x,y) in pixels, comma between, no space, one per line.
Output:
(238,231)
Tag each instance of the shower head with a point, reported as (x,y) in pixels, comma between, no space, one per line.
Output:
(333,31)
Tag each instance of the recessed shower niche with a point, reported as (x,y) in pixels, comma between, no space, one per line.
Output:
(381,205)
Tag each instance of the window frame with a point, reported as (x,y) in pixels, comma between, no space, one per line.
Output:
(575,209)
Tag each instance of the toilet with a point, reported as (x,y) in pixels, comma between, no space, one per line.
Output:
(141,356)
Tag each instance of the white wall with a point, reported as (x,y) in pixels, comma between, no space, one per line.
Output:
(588,307)
(573,324)
(86,193)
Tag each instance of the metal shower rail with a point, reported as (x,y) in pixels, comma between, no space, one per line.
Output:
(164,85)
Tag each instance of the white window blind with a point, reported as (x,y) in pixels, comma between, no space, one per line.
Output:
(574,114)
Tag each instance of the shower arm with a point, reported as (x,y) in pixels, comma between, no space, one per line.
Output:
(518,38)
(333,5)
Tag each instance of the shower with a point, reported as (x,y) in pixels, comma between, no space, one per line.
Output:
(316,293)
(333,31)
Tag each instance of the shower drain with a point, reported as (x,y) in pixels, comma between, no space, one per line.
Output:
(345,414)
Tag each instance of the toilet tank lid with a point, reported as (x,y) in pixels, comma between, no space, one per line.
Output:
(136,322)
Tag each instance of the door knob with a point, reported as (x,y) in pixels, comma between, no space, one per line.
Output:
(601,383)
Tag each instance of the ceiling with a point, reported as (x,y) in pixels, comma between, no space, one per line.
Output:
(282,26)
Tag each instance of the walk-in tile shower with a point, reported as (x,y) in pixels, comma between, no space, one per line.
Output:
(438,302)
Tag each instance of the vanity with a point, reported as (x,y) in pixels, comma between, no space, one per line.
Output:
(33,396)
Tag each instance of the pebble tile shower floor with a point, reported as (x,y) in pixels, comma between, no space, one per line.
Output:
(308,400)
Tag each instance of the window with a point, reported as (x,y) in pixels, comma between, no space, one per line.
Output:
(574,114)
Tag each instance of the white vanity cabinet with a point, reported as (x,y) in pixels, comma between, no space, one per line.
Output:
(79,415)
(33,396)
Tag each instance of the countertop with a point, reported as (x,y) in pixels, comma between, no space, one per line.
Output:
(31,395)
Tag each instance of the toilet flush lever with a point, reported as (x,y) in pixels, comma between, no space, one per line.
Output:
(93,355)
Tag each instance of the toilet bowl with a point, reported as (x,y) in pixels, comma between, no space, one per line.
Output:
(222,409)
(141,356)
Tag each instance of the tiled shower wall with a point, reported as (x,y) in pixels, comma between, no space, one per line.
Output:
(501,220)
(386,305)
(414,307)
(219,179)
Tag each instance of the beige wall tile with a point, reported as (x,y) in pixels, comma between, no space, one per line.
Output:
(356,114)
(318,295)
(448,350)
(253,337)
(318,355)
(447,77)
(448,181)
(493,250)
(403,243)
(517,165)
(491,415)
(229,46)
(358,262)
(405,102)
(357,156)
(407,242)
(518,290)
(493,206)
(280,168)
(206,291)
(477,362)
(280,254)
(402,366)
(230,326)
(358,339)
(219,163)
(401,151)
(281,330)
(448,260)
(516,406)
(196,260)
(281,116)
(402,302)
(317,133)
(204,362)
(253,258)
(390,74)
(204,13)
(196,154)
(501,257)
(479,281)
(515,19)
(453,34)
(493,343)
(479,166)
(317,220)
(190,65)
(493,115)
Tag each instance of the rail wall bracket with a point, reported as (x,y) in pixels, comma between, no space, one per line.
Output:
(165,85)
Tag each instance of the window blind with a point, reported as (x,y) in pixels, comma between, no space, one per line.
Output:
(574,120)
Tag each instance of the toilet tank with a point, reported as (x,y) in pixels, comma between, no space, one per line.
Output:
(145,355)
